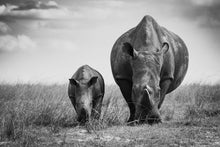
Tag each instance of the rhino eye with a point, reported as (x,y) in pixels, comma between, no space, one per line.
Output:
(158,89)
(150,92)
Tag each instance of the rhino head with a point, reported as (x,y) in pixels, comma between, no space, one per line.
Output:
(82,99)
(146,68)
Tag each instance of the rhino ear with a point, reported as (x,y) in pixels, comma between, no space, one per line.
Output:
(165,47)
(92,81)
(74,82)
(127,48)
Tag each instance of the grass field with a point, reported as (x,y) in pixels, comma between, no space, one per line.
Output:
(42,115)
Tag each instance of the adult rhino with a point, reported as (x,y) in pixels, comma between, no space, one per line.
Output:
(147,62)
(86,90)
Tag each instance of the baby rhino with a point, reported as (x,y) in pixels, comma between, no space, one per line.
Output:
(86,90)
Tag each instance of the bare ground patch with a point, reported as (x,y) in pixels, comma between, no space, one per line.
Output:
(173,133)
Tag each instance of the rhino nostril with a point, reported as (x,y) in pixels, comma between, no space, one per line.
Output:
(83,111)
(83,116)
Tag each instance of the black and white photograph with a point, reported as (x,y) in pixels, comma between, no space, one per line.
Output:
(110,73)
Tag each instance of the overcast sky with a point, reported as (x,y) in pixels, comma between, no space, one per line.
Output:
(46,41)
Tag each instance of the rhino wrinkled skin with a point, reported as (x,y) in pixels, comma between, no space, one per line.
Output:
(86,90)
(147,62)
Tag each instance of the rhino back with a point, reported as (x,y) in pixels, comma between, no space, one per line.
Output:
(148,33)
(84,74)
(176,60)
(142,37)
(120,63)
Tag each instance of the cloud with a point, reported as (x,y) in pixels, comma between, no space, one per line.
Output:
(205,12)
(4,28)
(36,5)
(2,9)
(34,10)
(210,15)
(57,45)
(203,2)
(9,43)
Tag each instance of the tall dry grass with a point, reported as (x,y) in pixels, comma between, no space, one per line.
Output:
(201,100)
(192,102)
(34,105)
(25,105)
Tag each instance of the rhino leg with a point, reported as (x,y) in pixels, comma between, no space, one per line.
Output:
(96,110)
(164,88)
(126,89)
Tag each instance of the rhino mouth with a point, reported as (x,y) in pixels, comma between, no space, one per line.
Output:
(153,119)
(146,111)
(83,117)
(150,118)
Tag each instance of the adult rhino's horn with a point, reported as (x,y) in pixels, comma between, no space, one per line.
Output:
(147,97)
(165,47)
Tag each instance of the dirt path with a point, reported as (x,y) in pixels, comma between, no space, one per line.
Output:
(166,134)
(197,133)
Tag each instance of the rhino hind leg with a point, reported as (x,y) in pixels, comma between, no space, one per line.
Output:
(126,89)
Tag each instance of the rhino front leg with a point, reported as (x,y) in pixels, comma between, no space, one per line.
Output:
(97,106)
(126,89)
(164,85)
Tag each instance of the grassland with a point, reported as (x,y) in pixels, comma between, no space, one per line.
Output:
(42,115)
